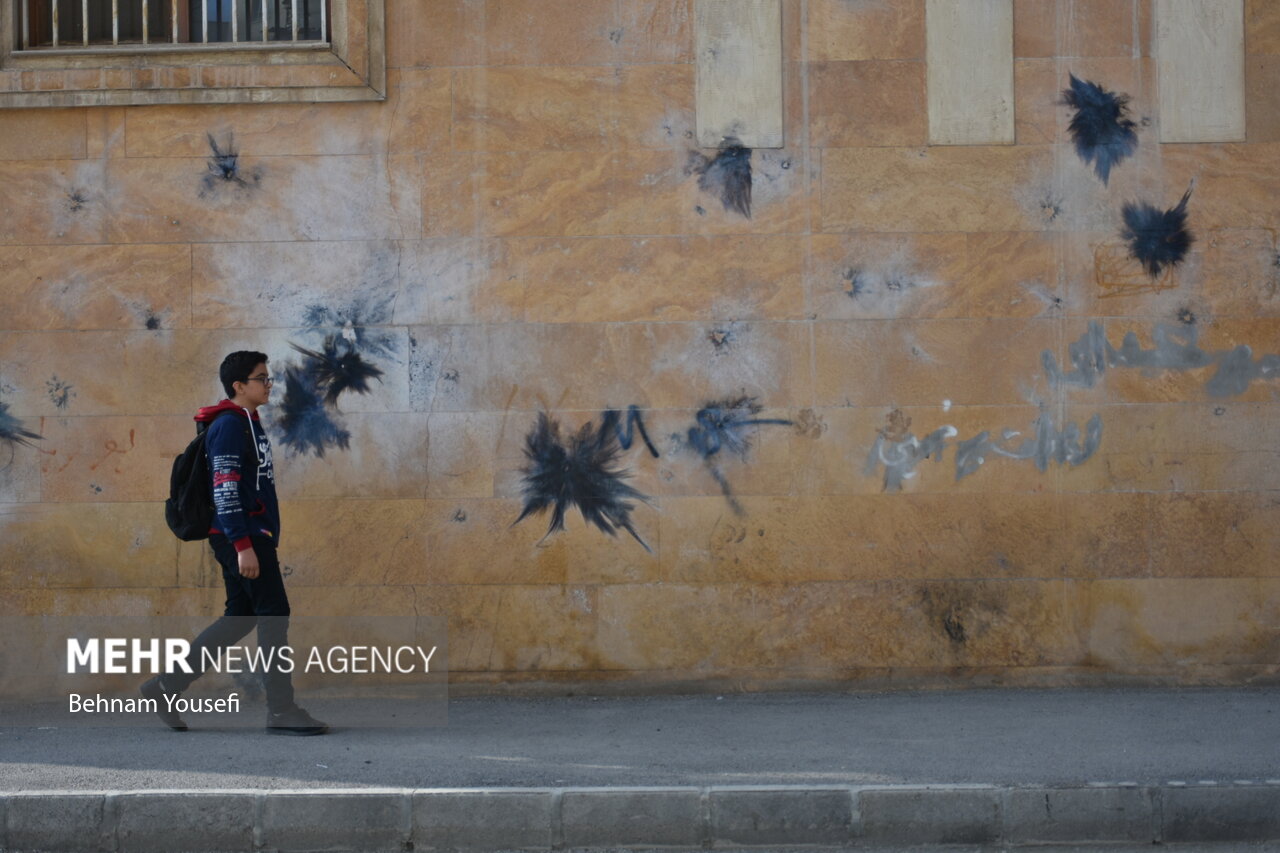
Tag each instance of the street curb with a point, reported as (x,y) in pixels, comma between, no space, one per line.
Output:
(765,817)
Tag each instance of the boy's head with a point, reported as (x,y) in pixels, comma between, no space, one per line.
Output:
(238,367)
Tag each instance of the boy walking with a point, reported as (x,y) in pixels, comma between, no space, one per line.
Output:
(244,538)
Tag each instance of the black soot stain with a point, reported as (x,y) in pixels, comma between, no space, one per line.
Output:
(306,422)
(726,176)
(223,168)
(583,472)
(336,368)
(1103,133)
(1158,239)
(13,433)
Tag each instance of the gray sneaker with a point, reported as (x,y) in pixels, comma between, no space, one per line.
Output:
(153,690)
(295,722)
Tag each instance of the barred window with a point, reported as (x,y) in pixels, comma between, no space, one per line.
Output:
(72,24)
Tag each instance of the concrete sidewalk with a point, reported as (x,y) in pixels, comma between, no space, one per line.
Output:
(874,771)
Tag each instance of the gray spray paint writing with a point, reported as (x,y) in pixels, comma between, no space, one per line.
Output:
(900,457)
(1067,446)
(1049,444)
(1176,348)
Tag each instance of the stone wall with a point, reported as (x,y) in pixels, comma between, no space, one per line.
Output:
(981,480)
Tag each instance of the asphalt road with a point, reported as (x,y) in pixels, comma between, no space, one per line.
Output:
(1001,737)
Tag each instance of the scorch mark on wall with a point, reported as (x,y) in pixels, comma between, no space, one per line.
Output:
(341,364)
(583,472)
(1103,133)
(727,176)
(337,367)
(1159,239)
(304,419)
(60,392)
(13,433)
(1176,348)
(223,168)
(726,425)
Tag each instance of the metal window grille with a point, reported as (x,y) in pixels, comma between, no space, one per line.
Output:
(71,24)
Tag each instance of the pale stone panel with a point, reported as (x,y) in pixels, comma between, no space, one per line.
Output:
(936,189)
(938,275)
(572,108)
(274,198)
(855,624)
(36,623)
(52,201)
(243,285)
(657,193)
(386,458)
(587,367)
(456,280)
(107,459)
(95,287)
(840,30)
(91,545)
(866,537)
(738,46)
(1176,622)
(520,628)
(1079,28)
(635,279)
(550,32)
(1180,447)
(44,135)
(1200,50)
(924,362)
(969,46)
(1235,185)
(478,542)
(856,104)
(163,372)
(439,34)
(1262,27)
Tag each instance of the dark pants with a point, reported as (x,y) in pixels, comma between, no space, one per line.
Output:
(261,603)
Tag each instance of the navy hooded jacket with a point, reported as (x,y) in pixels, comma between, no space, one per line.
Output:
(243,477)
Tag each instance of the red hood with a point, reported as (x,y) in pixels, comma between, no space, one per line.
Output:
(208,413)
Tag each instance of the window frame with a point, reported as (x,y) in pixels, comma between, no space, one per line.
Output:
(349,67)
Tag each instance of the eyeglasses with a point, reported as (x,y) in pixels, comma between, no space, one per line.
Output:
(265,380)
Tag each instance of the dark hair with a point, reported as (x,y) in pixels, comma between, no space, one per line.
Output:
(237,367)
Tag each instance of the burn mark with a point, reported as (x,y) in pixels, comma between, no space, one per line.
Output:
(726,424)
(361,324)
(1157,239)
(954,628)
(59,392)
(76,200)
(721,339)
(307,424)
(152,321)
(1186,317)
(223,168)
(337,367)
(1103,133)
(726,176)
(581,472)
(459,515)
(13,433)
(1051,207)
(858,283)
